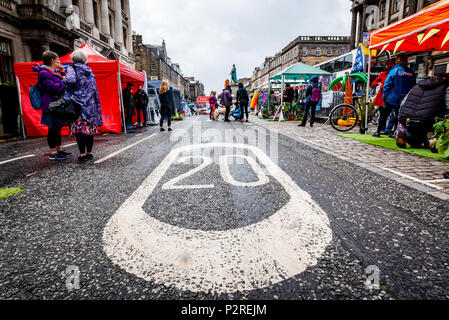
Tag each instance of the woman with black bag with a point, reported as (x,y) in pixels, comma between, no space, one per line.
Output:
(51,87)
(82,88)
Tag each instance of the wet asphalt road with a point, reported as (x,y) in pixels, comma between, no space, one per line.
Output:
(349,219)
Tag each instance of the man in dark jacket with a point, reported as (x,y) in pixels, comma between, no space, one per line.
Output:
(129,105)
(425,102)
(243,100)
(141,101)
(289,94)
(226,100)
(398,84)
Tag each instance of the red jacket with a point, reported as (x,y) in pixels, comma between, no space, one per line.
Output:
(380,80)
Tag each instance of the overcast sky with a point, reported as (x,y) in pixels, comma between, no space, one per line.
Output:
(207,36)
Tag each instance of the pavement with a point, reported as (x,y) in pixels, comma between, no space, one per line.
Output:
(215,211)
(424,174)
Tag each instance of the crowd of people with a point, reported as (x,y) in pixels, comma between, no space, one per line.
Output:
(226,102)
(413,107)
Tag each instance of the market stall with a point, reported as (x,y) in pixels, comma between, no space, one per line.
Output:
(297,74)
(427,30)
(111,76)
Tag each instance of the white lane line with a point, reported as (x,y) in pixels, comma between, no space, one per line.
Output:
(19,158)
(123,149)
(69,145)
(413,179)
(437,181)
(32,174)
(139,134)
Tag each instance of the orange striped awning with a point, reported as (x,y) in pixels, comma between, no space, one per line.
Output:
(427,30)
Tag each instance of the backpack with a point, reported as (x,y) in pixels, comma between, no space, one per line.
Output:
(35,97)
(316,94)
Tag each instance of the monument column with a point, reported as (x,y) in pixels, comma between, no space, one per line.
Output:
(129,45)
(118,21)
(89,12)
(104,9)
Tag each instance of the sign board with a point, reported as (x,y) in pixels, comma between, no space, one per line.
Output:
(203,100)
(359,61)
(366,38)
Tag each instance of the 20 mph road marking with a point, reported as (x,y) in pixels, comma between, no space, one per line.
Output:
(256,256)
(123,149)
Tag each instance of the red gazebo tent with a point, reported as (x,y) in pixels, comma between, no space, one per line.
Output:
(110,75)
(426,30)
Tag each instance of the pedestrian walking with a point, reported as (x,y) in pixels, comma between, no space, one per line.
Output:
(51,87)
(398,84)
(141,102)
(129,105)
(82,88)
(212,104)
(242,101)
(166,98)
(313,96)
(226,100)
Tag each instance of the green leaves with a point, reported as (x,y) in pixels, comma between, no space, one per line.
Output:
(442,133)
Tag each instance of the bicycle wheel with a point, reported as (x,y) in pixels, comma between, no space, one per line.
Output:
(344,117)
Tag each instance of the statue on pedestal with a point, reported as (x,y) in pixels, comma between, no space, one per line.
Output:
(234,74)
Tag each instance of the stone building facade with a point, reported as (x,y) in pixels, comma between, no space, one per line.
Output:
(310,50)
(154,60)
(196,88)
(33,26)
(29,27)
(388,12)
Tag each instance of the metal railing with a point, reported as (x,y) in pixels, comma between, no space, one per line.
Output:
(85,27)
(104,38)
(7,4)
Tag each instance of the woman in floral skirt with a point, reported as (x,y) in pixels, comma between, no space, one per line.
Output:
(82,88)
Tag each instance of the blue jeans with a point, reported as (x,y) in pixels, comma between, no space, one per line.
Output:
(386,110)
(393,121)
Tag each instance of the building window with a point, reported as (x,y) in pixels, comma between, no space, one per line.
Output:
(427,3)
(343,50)
(396,6)
(96,17)
(304,51)
(318,51)
(111,26)
(442,68)
(329,51)
(383,9)
(125,38)
(6,69)
(406,7)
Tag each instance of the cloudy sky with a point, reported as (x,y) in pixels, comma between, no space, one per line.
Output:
(207,36)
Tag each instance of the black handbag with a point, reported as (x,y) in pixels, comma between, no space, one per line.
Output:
(68,110)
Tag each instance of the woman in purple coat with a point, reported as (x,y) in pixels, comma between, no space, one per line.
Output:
(82,88)
(50,76)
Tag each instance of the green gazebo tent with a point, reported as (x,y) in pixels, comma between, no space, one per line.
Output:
(298,71)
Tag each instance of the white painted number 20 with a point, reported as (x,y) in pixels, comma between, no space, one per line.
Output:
(253,257)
